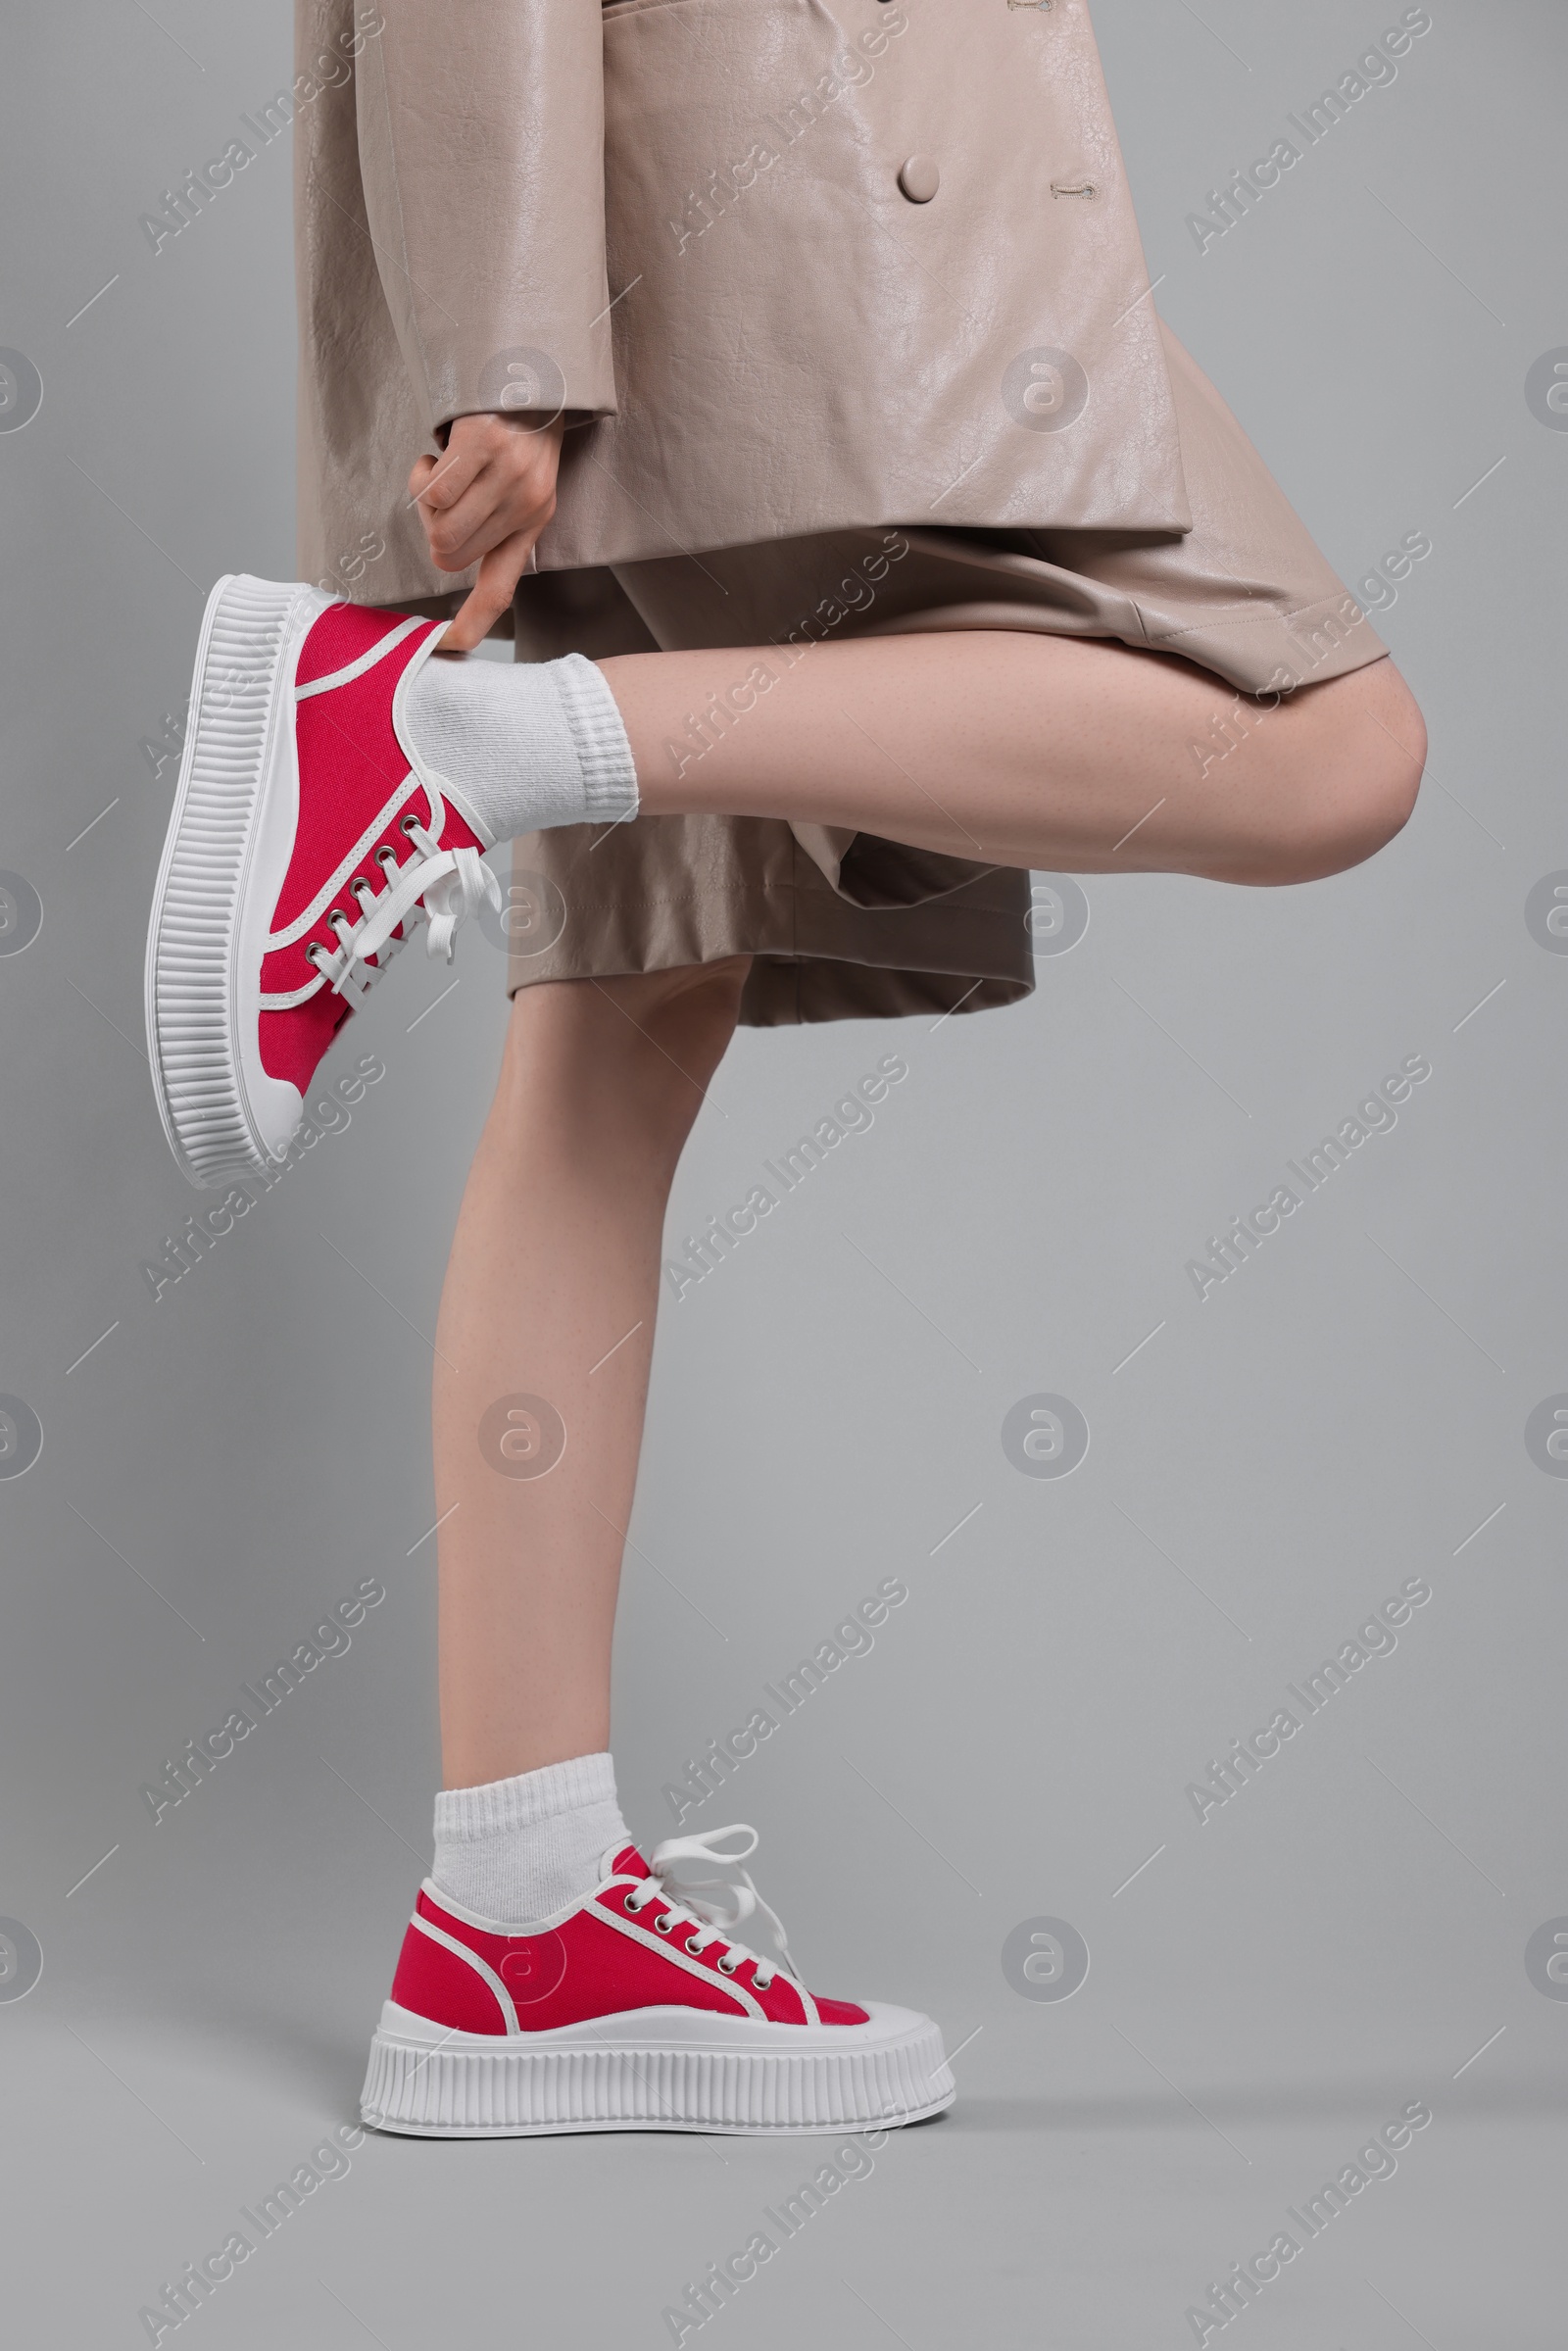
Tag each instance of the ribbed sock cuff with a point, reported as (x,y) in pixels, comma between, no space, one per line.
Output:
(604,753)
(528,1847)
(501,1806)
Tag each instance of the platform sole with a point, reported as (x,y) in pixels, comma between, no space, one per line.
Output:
(228,840)
(656,2070)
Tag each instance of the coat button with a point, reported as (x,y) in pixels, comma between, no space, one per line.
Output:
(920,179)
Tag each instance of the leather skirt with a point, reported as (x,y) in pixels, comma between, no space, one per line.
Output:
(847,926)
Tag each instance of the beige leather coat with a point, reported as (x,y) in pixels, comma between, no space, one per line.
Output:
(797,265)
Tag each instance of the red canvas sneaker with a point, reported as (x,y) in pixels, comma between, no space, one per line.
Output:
(634,2010)
(307,842)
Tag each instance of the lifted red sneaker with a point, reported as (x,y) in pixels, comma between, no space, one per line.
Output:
(636,2010)
(307,842)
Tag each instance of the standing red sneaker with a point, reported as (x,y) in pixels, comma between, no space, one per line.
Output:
(307,842)
(634,2010)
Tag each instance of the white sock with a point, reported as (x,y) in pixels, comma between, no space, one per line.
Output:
(518,749)
(516,1850)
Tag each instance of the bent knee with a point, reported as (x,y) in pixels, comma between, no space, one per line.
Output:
(1355,778)
(689,996)
(633,1047)
(698,1004)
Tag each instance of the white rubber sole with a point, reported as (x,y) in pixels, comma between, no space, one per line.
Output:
(228,847)
(655,2069)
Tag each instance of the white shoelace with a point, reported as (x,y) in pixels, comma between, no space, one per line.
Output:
(436,886)
(713,1920)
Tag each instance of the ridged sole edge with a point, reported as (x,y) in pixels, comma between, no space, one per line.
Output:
(518,2092)
(197,901)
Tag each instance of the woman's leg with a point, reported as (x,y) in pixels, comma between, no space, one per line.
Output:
(551,1292)
(1021,749)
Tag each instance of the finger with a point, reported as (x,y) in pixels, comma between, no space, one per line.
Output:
(494,510)
(480,520)
(491,593)
(448,477)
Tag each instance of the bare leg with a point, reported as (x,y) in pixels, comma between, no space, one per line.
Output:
(1018,749)
(555,1260)
(1003,747)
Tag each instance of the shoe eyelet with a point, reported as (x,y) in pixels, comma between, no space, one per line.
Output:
(664,1922)
(313,956)
(410,822)
(727,1966)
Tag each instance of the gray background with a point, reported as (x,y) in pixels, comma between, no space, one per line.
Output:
(1341,1417)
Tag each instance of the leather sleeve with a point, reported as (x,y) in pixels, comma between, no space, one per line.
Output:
(480,128)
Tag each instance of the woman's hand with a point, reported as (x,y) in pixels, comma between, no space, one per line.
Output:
(485,501)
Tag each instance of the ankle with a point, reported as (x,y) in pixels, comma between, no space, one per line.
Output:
(520,1848)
